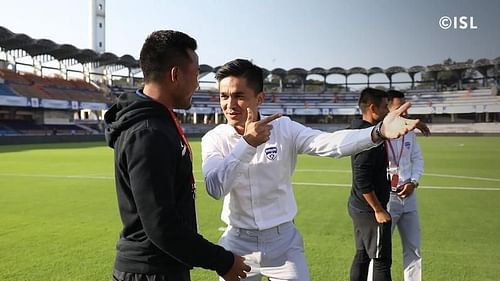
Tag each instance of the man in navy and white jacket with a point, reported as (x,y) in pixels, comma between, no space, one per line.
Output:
(405,153)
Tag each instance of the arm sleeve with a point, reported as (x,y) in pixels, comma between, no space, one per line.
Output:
(221,171)
(337,144)
(152,164)
(362,171)
(417,161)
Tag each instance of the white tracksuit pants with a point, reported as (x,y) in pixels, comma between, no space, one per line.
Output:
(404,215)
(277,253)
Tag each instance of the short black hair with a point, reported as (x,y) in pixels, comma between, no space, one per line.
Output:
(162,50)
(391,94)
(370,96)
(245,69)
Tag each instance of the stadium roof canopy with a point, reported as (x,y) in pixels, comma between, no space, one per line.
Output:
(5,34)
(357,70)
(375,70)
(63,52)
(395,70)
(279,72)
(40,47)
(461,65)
(436,67)
(337,70)
(298,72)
(17,41)
(265,72)
(36,47)
(128,61)
(86,55)
(416,69)
(318,70)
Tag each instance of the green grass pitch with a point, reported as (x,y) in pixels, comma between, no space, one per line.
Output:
(59,218)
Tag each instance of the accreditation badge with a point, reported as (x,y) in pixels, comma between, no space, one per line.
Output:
(393,175)
(394,181)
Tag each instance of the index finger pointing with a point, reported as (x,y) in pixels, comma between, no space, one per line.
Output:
(403,108)
(270,118)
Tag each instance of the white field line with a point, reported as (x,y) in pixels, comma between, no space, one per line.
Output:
(462,177)
(419,187)
(425,174)
(294,183)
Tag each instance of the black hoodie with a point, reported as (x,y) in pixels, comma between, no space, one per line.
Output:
(369,173)
(153,172)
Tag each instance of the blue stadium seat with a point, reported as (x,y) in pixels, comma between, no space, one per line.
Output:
(6,91)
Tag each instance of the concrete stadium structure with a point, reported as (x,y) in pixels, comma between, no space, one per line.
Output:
(44,84)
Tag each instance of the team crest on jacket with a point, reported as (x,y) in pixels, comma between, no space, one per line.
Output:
(271,152)
(407,144)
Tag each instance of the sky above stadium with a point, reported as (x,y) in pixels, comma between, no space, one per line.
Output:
(280,33)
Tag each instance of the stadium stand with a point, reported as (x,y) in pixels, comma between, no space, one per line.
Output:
(30,85)
(32,103)
(28,127)
(6,91)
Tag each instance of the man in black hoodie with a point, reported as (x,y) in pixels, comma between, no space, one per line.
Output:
(369,196)
(153,171)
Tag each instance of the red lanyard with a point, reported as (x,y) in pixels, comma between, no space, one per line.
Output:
(397,161)
(181,134)
(185,143)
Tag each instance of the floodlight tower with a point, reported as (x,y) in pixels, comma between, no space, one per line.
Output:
(97,30)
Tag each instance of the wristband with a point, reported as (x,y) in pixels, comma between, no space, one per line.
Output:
(378,131)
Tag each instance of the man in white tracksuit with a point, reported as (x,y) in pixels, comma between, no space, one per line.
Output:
(406,166)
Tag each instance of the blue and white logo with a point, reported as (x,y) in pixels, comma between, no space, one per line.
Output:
(407,144)
(271,152)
